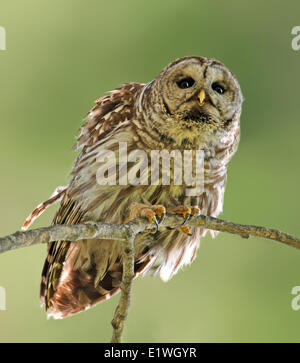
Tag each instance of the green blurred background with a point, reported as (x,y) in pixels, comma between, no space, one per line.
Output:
(62,55)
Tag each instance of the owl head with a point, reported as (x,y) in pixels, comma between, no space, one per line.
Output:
(193,98)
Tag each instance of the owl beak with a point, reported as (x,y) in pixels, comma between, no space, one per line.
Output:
(201,97)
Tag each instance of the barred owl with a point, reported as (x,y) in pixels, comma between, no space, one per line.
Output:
(193,104)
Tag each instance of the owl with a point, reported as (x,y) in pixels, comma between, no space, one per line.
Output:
(193,104)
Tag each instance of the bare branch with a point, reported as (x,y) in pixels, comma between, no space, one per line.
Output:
(128,274)
(126,234)
(122,232)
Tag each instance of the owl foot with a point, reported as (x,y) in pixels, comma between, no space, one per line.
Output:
(187,213)
(183,229)
(154,213)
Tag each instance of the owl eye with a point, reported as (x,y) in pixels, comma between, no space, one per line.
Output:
(186,83)
(218,88)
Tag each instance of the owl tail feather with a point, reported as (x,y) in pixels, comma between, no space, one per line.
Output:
(77,292)
(40,209)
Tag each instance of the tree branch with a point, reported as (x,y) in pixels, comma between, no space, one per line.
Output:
(126,234)
(128,274)
(122,232)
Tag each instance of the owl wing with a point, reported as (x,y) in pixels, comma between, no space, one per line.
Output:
(99,122)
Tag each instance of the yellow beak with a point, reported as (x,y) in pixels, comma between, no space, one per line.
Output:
(201,97)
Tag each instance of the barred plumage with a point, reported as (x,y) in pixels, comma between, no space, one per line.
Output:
(154,116)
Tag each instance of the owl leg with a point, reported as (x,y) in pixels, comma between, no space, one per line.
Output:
(154,213)
(187,212)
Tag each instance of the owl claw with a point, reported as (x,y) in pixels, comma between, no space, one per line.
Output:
(187,213)
(154,213)
(195,211)
(184,211)
(162,217)
(156,224)
(170,228)
(187,218)
(186,230)
(157,216)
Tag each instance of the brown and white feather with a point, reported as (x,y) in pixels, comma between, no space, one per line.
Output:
(78,275)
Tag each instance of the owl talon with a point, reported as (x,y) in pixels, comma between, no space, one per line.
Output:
(156,224)
(154,213)
(187,218)
(161,217)
(181,210)
(195,211)
(187,213)
(186,230)
(170,228)
(157,215)
(151,216)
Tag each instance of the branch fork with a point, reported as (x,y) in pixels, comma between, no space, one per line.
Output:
(126,234)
